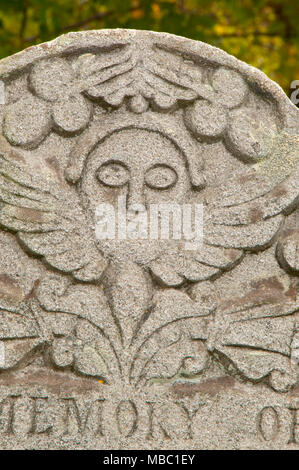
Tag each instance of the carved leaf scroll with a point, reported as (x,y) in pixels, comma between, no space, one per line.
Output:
(20,336)
(92,336)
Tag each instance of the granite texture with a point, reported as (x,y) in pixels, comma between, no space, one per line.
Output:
(137,342)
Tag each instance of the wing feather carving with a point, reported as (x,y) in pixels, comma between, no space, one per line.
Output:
(49,222)
(248,210)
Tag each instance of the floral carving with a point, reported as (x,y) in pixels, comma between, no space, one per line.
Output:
(165,336)
(61,88)
(57,102)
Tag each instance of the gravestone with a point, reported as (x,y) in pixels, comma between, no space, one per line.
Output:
(149,248)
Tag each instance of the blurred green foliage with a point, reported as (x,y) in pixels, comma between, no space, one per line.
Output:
(264,33)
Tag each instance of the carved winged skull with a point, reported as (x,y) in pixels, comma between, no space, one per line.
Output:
(152,127)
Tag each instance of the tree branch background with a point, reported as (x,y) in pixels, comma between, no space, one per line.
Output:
(263,33)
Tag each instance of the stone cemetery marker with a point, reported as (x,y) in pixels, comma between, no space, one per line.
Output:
(149,248)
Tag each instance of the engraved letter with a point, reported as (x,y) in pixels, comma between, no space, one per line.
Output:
(82,419)
(38,410)
(11,412)
(151,415)
(190,415)
(122,422)
(268,423)
(294,425)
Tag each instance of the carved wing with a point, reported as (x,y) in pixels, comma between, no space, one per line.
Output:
(249,209)
(253,335)
(49,222)
(243,214)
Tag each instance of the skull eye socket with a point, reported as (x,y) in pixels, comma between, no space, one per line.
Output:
(161,177)
(113,173)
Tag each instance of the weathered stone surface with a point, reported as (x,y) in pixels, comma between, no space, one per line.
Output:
(138,342)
